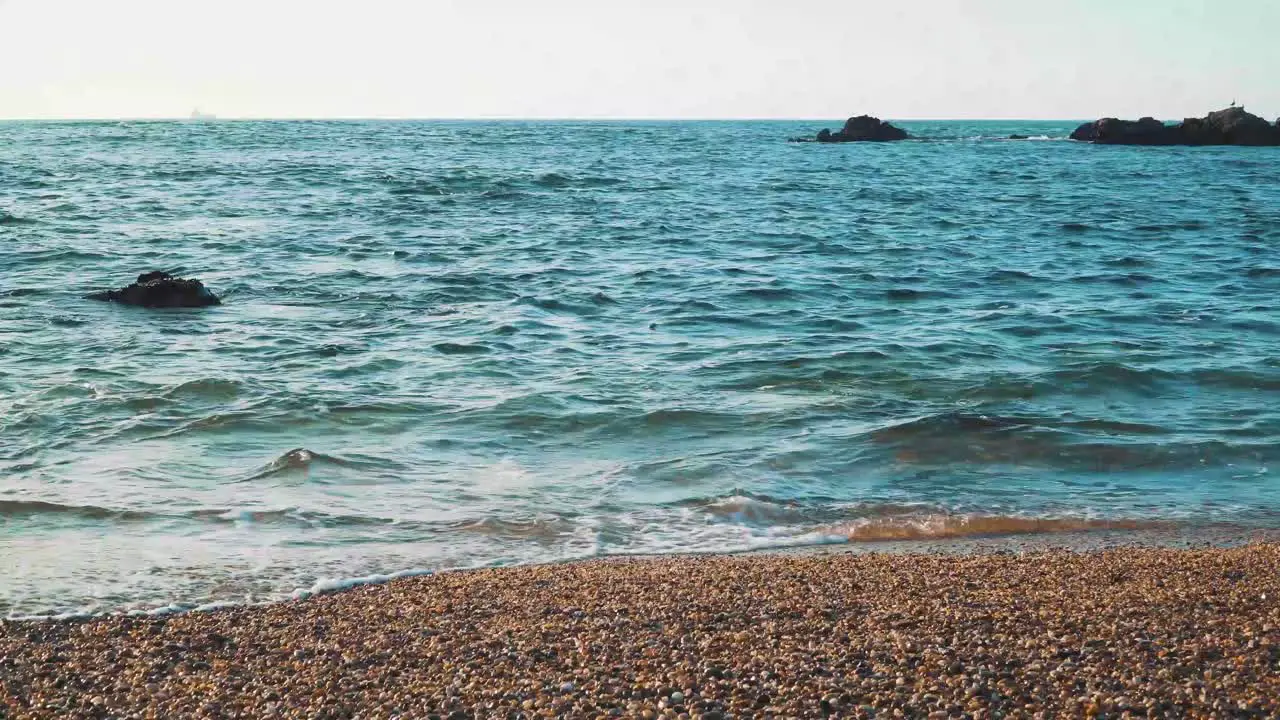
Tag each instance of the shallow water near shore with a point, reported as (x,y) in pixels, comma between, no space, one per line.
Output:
(454,344)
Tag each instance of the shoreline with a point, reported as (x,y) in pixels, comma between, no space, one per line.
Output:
(1156,536)
(1087,539)
(963,629)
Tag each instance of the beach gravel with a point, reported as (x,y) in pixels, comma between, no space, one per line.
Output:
(1135,632)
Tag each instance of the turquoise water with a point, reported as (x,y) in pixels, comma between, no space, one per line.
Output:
(449,344)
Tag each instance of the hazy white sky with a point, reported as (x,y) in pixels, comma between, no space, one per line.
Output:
(640,58)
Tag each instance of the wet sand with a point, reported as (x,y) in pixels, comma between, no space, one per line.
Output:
(971,631)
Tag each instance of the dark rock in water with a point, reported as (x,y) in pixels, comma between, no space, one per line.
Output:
(1016,136)
(1238,127)
(1086,132)
(1147,131)
(160,290)
(863,128)
(1232,126)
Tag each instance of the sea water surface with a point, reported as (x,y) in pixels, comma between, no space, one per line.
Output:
(451,344)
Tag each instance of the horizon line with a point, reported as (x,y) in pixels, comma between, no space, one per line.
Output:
(213,117)
(565,118)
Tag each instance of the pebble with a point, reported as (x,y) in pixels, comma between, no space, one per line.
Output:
(1031,634)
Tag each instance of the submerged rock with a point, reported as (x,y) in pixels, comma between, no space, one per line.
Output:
(1232,126)
(863,128)
(160,290)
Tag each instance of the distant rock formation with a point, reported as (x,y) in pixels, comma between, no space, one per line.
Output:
(1232,126)
(863,128)
(160,290)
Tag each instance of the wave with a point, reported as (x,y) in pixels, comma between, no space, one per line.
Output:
(292,516)
(1127,261)
(548,528)
(556,305)
(949,527)
(880,369)
(222,515)
(497,194)
(559,180)
(1170,227)
(1109,378)
(25,508)
(907,294)
(449,348)
(815,518)
(10,219)
(182,174)
(1235,379)
(454,182)
(295,461)
(898,526)
(475,183)
(204,388)
(955,438)
(768,294)
(1126,279)
(66,255)
(221,422)
(1010,276)
(22,292)
(875,521)
(1105,377)
(746,508)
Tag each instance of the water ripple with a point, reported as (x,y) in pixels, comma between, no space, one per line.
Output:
(449,344)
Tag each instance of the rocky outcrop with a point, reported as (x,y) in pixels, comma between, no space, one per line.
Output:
(1232,126)
(863,128)
(160,290)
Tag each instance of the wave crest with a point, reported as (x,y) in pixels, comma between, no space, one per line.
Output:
(294,461)
(946,527)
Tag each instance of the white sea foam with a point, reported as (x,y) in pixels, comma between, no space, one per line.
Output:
(328,585)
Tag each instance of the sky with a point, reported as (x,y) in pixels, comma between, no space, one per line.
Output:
(1052,59)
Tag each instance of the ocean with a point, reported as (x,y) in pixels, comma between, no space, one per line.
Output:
(460,344)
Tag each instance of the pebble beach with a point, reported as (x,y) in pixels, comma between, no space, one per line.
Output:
(1119,632)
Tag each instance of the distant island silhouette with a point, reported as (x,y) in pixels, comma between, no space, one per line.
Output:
(862,128)
(1230,126)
